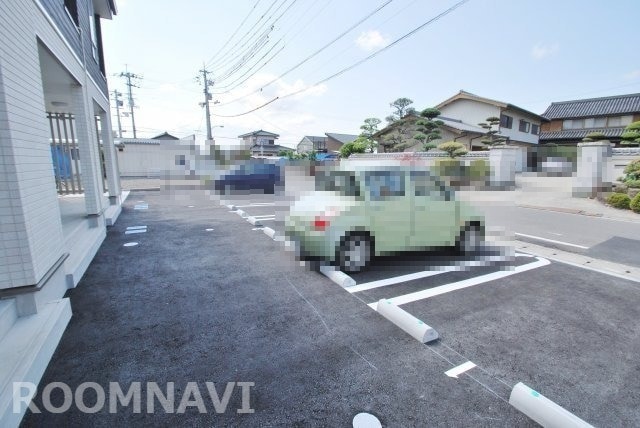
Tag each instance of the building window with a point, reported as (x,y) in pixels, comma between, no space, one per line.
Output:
(599,122)
(615,121)
(535,129)
(524,126)
(94,38)
(506,121)
(72,9)
(573,124)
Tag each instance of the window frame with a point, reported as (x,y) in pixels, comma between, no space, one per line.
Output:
(71,7)
(535,129)
(524,126)
(506,121)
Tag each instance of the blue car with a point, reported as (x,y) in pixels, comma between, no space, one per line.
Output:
(250,178)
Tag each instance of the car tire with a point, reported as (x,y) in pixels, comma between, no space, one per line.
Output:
(354,252)
(470,239)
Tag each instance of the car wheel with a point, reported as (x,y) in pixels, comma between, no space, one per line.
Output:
(354,253)
(470,239)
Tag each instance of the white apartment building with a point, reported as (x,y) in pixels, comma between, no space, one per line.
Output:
(59,181)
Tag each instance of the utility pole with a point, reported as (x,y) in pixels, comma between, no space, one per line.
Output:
(207,97)
(116,97)
(130,76)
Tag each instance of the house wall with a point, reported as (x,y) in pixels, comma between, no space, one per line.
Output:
(514,133)
(305,146)
(554,125)
(470,111)
(333,145)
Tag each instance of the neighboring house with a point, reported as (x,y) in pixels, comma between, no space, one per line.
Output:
(165,136)
(405,129)
(262,143)
(570,121)
(330,143)
(517,125)
(336,141)
(312,144)
(60,182)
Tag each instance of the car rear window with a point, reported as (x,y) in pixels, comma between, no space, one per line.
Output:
(384,184)
(343,182)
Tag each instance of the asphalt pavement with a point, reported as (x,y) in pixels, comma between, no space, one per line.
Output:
(205,296)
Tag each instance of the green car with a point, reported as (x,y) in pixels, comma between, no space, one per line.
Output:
(361,212)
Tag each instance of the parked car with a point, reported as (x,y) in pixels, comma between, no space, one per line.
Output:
(249,177)
(358,213)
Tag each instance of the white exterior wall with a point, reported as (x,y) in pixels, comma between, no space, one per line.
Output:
(30,227)
(30,224)
(470,111)
(515,134)
(153,160)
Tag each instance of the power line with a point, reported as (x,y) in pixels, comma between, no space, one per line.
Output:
(354,65)
(340,36)
(245,59)
(236,31)
(216,63)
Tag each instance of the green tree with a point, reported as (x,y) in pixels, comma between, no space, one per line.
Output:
(631,134)
(453,149)
(359,145)
(491,125)
(369,128)
(399,138)
(401,107)
(428,128)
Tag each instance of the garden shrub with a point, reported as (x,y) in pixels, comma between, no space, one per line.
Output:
(632,171)
(635,203)
(619,200)
(595,136)
(632,184)
(448,168)
(620,188)
(478,169)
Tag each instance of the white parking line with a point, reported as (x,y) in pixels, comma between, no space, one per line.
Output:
(436,270)
(464,367)
(262,217)
(436,291)
(553,241)
(257,204)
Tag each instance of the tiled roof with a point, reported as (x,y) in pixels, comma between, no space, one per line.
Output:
(578,134)
(259,132)
(606,106)
(343,138)
(315,139)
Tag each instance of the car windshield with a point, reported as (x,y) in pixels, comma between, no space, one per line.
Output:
(343,182)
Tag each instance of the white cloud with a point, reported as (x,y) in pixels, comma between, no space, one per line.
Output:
(632,75)
(540,51)
(370,40)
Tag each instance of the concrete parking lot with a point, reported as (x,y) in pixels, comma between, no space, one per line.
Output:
(207,296)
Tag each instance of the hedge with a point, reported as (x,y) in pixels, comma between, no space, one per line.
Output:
(619,200)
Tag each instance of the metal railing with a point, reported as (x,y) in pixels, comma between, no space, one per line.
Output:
(65,154)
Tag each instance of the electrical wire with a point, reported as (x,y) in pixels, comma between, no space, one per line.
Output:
(330,43)
(235,32)
(357,63)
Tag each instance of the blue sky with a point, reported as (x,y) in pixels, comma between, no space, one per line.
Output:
(528,53)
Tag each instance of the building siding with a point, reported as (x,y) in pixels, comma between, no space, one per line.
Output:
(77,39)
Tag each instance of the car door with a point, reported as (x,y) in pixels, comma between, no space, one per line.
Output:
(388,209)
(434,216)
